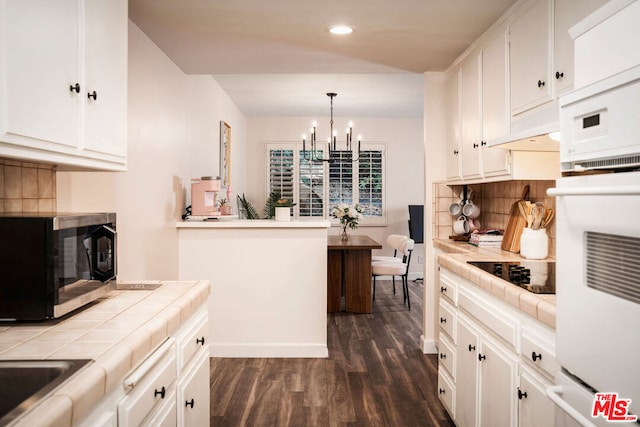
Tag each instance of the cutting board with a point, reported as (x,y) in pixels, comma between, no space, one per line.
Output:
(515,225)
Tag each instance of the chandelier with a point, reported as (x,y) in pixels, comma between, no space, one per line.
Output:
(331,141)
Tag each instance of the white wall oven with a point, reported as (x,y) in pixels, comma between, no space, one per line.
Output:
(598,297)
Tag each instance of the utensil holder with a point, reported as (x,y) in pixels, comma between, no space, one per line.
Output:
(534,244)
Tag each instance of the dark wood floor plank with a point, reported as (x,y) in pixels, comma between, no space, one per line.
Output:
(375,375)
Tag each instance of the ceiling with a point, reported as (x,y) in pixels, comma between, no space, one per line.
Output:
(276,57)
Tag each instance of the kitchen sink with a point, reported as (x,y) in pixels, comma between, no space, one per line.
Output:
(26,382)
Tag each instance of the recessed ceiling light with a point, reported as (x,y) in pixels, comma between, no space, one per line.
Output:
(340,29)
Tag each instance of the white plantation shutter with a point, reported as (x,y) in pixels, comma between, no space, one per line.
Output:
(281,172)
(371,183)
(316,187)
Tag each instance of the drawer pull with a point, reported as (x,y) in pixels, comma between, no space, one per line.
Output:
(443,356)
(481,357)
(443,289)
(161,393)
(441,391)
(535,356)
(75,88)
(443,320)
(521,394)
(472,347)
(93,95)
(189,403)
(200,340)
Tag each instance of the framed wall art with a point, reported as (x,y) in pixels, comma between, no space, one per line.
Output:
(225,153)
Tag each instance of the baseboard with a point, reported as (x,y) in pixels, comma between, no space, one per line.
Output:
(250,350)
(428,347)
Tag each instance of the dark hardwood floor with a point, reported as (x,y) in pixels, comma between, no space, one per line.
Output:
(375,375)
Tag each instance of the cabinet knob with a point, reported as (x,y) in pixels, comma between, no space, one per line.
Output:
(93,95)
(443,289)
(540,83)
(481,357)
(443,320)
(75,88)
(455,152)
(200,340)
(443,356)
(441,391)
(535,356)
(521,394)
(559,75)
(190,403)
(472,347)
(160,392)
(483,143)
(475,145)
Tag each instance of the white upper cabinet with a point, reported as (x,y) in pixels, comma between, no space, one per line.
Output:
(471,115)
(41,49)
(495,109)
(55,55)
(452,118)
(105,66)
(567,14)
(530,58)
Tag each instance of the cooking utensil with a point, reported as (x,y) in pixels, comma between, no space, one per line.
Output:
(537,212)
(515,224)
(548,216)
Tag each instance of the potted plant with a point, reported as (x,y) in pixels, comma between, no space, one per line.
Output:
(283,209)
(225,207)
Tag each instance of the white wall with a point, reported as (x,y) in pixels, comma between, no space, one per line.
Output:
(173,122)
(435,170)
(405,164)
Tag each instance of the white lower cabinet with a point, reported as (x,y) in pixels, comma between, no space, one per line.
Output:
(193,393)
(534,407)
(170,387)
(495,372)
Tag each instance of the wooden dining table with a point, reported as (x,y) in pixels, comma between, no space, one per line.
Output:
(349,273)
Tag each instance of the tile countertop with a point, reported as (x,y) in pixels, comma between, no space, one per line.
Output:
(539,306)
(117,332)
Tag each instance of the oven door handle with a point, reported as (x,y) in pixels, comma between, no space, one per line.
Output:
(554,392)
(628,190)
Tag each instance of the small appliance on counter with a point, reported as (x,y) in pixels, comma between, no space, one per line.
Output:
(54,263)
(204,194)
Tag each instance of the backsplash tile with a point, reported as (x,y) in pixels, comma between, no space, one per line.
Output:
(27,187)
(494,199)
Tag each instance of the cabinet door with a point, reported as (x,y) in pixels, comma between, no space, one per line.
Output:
(498,385)
(193,393)
(466,374)
(529,54)
(105,66)
(41,65)
(452,96)
(470,109)
(534,407)
(495,112)
(567,14)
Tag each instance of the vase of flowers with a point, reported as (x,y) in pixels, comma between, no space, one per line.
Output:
(283,209)
(348,216)
(225,207)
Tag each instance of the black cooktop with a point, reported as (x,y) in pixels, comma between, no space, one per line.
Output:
(535,276)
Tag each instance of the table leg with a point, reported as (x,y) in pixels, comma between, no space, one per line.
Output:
(357,271)
(334,280)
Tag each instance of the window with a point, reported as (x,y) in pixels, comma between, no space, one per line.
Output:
(318,186)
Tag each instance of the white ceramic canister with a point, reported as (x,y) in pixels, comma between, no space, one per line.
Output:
(534,244)
(283,213)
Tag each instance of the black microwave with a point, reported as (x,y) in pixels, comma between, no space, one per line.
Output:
(52,264)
